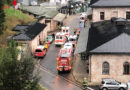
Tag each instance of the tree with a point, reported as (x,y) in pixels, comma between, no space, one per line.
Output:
(2,17)
(14,74)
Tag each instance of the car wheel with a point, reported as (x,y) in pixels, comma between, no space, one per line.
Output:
(59,72)
(121,89)
(104,89)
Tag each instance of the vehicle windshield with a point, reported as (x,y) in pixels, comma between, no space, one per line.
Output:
(72,39)
(37,50)
(82,18)
(49,37)
(60,37)
(57,37)
(118,82)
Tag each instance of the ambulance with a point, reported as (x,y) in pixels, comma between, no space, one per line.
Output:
(60,38)
(73,39)
(66,30)
(83,17)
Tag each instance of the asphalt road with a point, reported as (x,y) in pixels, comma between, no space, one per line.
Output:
(53,81)
(48,72)
(50,77)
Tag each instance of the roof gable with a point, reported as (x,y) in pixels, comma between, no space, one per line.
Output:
(112,3)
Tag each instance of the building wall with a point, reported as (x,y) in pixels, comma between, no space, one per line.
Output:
(34,43)
(116,67)
(41,37)
(52,24)
(109,12)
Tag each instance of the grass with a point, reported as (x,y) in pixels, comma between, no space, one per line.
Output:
(13,18)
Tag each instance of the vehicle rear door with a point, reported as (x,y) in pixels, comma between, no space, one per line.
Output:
(114,85)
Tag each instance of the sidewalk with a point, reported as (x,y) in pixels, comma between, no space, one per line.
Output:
(80,66)
(79,71)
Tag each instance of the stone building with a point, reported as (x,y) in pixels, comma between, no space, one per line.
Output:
(108,50)
(32,36)
(106,9)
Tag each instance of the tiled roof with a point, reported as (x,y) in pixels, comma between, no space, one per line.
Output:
(111,3)
(35,30)
(20,27)
(31,33)
(21,37)
(82,41)
(120,44)
(109,37)
(40,11)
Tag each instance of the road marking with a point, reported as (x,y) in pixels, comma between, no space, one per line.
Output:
(53,74)
(90,88)
(48,71)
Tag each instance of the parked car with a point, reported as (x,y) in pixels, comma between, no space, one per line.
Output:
(128,85)
(111,84)
(50,38)
(40,51)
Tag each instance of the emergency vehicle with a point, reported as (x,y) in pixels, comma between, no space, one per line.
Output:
(68,46)
(40,51)
(60,38)
(78,32)
(73,39)
(83,17)
(64,60)
(66,30)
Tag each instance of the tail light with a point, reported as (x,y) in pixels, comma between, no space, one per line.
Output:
(101,85)
(57,68)
(69,67)
(57,58)
(69,59)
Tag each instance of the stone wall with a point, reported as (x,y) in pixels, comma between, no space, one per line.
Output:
(116,67)
(109,12)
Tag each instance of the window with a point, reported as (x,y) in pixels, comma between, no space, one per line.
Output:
(126,68)
(128,15)
(105,68)
(47,21)
(57,37)
(60,37)
(101,15)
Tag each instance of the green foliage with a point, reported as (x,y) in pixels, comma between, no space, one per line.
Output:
(14,74)
(2,17)
(9,2)
(11,12)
